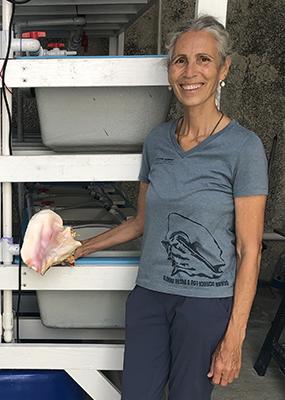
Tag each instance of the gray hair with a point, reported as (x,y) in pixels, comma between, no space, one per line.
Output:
(204,23)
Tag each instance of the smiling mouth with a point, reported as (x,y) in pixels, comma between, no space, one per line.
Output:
(192,88)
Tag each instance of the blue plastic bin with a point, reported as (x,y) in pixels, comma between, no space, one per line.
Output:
(39,384)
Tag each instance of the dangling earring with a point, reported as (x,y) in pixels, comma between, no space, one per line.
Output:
(169,88)
(222,83)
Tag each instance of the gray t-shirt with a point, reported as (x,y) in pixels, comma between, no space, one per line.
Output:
(189,233)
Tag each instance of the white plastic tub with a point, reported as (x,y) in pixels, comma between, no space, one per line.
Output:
(88,309)
(100,119)
(82,309)
(129,249)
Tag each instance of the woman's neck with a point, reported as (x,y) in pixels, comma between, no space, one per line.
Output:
(198,121)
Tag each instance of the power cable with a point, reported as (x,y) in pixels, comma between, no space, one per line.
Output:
(4,87)
(18,2)
(3,76)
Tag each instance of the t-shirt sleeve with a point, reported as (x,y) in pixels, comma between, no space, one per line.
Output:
(145,164)
(251,176)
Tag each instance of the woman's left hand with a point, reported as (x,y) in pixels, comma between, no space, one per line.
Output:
(226,361)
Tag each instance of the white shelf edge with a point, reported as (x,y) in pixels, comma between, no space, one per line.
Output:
(60,356)
(100,277)
(86,72)
(70,168)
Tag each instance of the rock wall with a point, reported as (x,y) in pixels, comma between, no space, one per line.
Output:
(254,93)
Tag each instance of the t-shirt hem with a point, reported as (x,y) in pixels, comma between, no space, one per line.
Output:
(228,292)
(251,193)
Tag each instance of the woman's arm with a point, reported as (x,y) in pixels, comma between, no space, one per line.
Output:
(126,231)
(249,216)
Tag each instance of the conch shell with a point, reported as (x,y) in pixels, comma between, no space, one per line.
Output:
(47,242)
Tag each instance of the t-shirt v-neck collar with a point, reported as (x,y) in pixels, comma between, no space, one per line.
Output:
(184,153)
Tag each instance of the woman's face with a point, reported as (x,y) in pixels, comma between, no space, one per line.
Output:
(195,71)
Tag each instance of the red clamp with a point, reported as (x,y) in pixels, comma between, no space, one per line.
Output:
(33,35)
(55,45)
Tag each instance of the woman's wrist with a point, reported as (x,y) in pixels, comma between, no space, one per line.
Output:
(80,251)
(236,330)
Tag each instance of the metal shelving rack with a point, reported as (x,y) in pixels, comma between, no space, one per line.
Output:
(81,362)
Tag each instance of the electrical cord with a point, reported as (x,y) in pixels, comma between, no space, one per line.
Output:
(3,76)
(10,91)
(18,2)
(3,71)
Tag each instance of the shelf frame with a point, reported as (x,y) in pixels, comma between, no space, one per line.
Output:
(82,362)
(70,168)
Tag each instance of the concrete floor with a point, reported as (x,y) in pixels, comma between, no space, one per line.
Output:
(250,386)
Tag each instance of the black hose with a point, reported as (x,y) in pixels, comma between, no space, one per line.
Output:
(3,77)
(19,2)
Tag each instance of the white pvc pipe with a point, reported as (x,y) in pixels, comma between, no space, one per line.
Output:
(7,260)
(7,316)
(6,14)
(8,245)
(7,220)
(7,191)
(30,45)
(216,8)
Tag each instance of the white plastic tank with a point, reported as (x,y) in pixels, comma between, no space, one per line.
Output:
(88,309)
(113,119)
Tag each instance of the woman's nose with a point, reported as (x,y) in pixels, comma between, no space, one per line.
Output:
(190,69)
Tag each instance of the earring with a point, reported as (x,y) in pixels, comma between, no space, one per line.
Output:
(169,88)
(222,83)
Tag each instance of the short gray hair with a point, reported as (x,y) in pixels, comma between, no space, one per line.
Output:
(204,23)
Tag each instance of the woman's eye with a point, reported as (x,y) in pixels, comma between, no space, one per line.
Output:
(180,61)
(204,59)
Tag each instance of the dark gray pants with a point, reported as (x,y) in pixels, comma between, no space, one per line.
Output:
(171,338)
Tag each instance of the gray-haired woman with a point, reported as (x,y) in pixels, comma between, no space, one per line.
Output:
(201,209)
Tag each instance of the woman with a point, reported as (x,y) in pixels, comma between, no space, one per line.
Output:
(201,208)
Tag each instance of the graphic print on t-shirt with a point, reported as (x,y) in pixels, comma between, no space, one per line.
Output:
(191,248)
